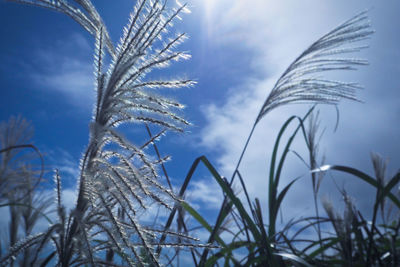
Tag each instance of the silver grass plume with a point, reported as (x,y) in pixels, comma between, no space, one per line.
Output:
(300,82)
(113,177)
(19,247)
(17,131)
(126,177)
(116,174)
(20,184)
(380,168)
(313,137)
(343,226)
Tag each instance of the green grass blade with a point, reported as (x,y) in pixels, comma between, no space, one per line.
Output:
(294,258)
(324,247)
(282,195)
(386,190)
(226,251)
(181,193)
(274,177)
(276,146)
(272,189)
(238,204)
(363,176)
(202,221)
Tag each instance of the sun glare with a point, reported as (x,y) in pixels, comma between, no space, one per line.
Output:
(209,4)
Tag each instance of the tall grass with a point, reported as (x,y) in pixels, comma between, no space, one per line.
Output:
(118,180)
(20,185)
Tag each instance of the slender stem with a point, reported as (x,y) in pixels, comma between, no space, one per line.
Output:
(159,157)
(378,194)
(224,203)
(315,193)
(242,154)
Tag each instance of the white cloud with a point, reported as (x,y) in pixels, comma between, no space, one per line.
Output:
(204,195)
(64,71)
(276,33)
(69,197)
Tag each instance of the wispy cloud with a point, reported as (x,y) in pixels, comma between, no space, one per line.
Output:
(63,70)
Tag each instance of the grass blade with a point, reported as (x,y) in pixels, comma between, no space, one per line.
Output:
(363,176)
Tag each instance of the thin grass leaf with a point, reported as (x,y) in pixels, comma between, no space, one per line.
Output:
(361,175)
(274,176)
(226,251)
(282,194)
(201,220)
(386,191)
(237,203)
(293,258)
(325,247)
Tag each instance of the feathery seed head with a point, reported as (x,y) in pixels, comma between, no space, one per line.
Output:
(301,81)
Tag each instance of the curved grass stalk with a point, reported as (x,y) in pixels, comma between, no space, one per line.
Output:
(301,83)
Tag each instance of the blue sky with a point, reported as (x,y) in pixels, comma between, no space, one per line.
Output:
(239,48)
